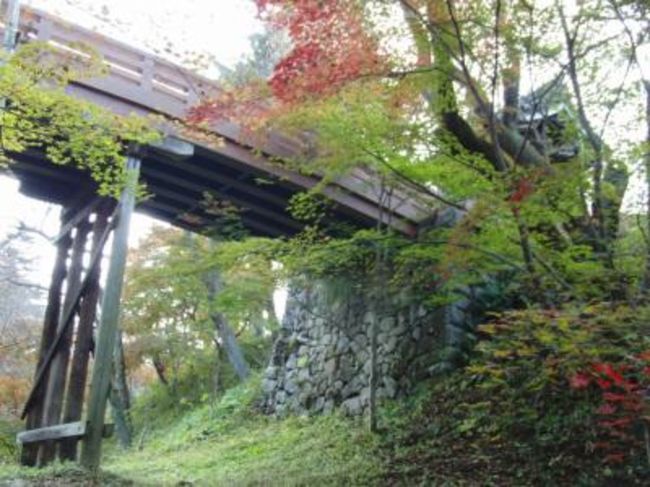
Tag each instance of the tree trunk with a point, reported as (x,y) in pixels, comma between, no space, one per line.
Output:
(372,400)
(224,331)
(646,160)
(159,366)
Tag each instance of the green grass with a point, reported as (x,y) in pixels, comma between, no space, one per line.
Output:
(230,443)
(295,451)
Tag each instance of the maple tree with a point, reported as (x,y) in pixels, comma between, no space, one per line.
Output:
(500,110)
(503,104)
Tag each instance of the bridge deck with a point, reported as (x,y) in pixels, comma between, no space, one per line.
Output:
(143,83)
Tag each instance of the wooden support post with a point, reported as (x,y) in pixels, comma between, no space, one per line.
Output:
(59,369)
(84,212)
(29,452)
(110,315)
(12,19)
(83,340)
(64,323)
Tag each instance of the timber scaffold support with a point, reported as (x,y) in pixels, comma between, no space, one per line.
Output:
(54,407)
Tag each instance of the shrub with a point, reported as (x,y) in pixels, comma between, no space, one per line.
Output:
(549,397)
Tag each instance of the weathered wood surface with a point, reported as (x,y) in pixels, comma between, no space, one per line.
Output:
(143,83)
(109,323)
(50,322)
(51,433)
(84,337)
(66,321)
(82,213)
(54,396)
(60,431)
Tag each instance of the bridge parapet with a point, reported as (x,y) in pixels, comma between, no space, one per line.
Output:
(134,75)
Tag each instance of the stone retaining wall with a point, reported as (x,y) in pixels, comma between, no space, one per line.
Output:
(321,359)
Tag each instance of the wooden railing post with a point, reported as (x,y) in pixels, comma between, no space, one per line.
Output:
(108,328)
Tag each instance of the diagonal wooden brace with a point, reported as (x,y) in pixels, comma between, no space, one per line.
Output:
(68,317)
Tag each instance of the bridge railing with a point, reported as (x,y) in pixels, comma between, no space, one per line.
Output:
(136,76)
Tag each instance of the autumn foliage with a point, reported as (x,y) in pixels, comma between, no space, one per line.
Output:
(13,392)
(624,409)
(331,46)
(591,364)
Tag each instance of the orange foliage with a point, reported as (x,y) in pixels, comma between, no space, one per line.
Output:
(13,393)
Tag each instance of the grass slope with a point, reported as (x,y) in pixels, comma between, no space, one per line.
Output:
(230,444)
(514,416)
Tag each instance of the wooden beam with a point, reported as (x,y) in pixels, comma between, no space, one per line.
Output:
(84,338)
(50,433)
(11,21)
(218,177)
(50,322)
(251,223)
(265,213)
(67,319)
(83,213)
(242,158)
(58,432)
(174,147)
(60,362)
(108,328)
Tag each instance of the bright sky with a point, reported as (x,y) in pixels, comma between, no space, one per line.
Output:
(185,28)
(219,28)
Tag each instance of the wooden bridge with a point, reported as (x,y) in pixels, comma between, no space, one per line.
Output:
(142,83)
(178,173)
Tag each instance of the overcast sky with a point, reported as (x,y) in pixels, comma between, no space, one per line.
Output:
(219,28)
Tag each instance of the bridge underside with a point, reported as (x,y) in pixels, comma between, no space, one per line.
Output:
(181,192)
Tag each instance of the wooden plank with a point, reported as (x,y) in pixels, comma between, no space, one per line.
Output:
(108,328)
(50,433)
(83,341)
(50,322)
(60,362)
(67,319)
(83,213)
(60,431)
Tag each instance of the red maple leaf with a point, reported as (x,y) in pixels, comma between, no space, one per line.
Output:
(523,189)
(608,370)
(612,397)
(606,409)
(617,457)
(603,384)
(580,381)
(331,46)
